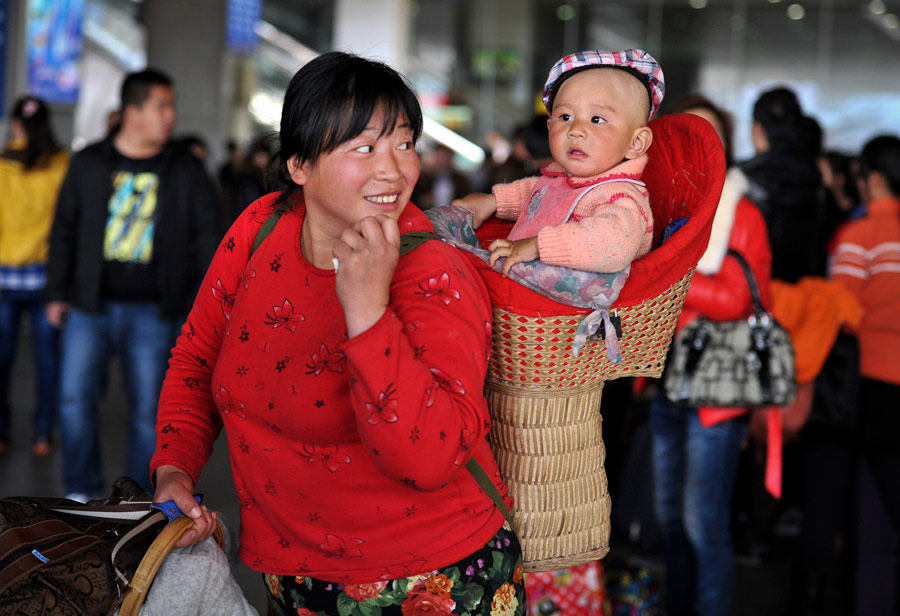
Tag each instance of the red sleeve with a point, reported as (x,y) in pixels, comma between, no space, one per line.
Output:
(417,376)
(186,405)
(726,295)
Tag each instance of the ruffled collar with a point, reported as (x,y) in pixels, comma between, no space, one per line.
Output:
(626,170)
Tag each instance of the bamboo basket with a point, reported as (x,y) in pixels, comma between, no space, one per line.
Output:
(547,432)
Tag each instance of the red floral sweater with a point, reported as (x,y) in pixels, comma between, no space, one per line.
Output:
(348,455)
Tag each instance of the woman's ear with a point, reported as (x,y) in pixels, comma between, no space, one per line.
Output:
(640,142)
(297,170)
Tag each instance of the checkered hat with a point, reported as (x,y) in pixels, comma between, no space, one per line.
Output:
(636,61)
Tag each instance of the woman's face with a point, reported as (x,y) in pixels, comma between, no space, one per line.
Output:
(368,175)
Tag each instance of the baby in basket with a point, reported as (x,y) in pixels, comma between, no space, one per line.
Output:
(588,210)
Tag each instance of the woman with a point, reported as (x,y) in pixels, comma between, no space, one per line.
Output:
(867,261)
(349,379)
(696,451)
(32,166)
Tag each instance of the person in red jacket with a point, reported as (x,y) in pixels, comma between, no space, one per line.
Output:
(696,451)
(349,378)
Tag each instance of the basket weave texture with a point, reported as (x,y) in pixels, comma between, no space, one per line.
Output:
(534,353)
(547,432)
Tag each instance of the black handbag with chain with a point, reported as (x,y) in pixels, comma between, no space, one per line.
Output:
(743,364)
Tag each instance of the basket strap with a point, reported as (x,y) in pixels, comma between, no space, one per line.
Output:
(488,486)
(408,240)
(153,559)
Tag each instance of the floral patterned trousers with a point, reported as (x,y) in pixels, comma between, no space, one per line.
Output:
(488,582)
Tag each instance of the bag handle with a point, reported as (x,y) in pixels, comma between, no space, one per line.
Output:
(153,559)
(751,281)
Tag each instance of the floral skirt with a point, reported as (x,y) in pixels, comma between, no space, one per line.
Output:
(488,582)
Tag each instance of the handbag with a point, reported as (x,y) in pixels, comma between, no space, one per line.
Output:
(64,558)
(744,363)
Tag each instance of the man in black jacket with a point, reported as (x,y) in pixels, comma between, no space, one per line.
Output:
(136,224)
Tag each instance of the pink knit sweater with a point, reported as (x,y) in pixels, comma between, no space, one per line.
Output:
(610,227)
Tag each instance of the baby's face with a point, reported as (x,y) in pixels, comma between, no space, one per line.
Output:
(596,114)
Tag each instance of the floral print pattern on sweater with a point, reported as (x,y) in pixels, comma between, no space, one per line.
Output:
(348,454)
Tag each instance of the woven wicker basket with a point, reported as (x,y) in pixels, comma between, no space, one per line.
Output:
(547,431)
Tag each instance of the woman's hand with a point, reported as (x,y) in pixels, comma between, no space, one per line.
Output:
(172,483)
(482,205)
(367,256)
(517,251)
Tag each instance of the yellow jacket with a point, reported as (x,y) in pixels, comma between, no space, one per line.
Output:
(27,204)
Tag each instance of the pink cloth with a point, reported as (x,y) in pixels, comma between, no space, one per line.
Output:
(609,227)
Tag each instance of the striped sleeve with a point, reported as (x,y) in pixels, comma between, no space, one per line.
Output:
(850,259)
(884,257)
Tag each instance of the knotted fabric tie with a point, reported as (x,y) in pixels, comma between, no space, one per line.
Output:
(589,328)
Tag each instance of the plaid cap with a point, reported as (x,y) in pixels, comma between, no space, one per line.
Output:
(636,61)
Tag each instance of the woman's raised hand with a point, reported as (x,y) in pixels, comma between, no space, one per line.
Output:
(367,256)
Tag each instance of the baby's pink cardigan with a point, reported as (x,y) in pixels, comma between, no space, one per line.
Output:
(611,226)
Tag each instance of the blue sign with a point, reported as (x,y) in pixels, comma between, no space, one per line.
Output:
(53,48)
(240,25)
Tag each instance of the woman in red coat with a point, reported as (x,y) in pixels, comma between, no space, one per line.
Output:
(696,451)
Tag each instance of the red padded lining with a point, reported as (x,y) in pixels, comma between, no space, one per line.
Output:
(684,174)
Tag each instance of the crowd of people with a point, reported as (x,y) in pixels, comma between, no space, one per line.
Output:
(232,307)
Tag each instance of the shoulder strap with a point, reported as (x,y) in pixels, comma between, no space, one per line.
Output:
(488,486)
(413,239)
(268,225)
(751,280)
(408,241)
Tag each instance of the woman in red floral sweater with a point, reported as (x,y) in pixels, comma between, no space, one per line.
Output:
(348,378)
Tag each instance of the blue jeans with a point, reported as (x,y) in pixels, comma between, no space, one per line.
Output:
(143,342)
(694,469)
(45,344)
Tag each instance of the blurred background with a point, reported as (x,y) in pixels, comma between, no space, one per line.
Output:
(478,67)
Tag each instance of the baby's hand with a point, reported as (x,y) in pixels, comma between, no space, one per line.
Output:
(482,205)
(517,251)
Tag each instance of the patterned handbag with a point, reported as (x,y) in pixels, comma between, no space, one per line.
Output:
(744,364)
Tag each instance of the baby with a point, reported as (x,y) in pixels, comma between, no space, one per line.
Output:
(588,210)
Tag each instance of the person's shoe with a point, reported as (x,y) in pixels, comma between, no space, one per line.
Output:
(42,446)
(81,497)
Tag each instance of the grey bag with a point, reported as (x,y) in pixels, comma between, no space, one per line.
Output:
(744,364)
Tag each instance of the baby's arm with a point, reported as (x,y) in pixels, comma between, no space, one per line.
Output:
(515,251)
(482,205)
(613,233)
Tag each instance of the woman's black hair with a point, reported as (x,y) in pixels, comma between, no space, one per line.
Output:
(34,117)
(882,154)
(698,101)
(331,100)
(778,112)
